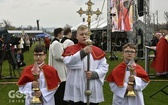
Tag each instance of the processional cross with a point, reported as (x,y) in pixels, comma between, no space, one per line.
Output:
(89,12)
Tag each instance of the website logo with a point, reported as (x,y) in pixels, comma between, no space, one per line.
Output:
(16,97)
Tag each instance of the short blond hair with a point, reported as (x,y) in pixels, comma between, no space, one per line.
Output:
(81,28)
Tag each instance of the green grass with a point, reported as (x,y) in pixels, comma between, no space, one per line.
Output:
(9,92)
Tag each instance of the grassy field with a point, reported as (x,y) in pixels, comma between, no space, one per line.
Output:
(9,94)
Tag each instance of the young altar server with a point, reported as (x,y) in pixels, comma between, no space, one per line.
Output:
(75,59)
(47,81)
(121,81)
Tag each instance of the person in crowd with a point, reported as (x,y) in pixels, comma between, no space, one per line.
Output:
(1,42)
(66,40)
(20,58)
(160,62)
(47,42)
(154,42)
(47,81)
(21,43)
(74,39)
(75,59)
(31,41)
(120,77)
(56,60)
(27,43)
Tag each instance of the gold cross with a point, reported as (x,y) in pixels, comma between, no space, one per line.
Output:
(89,12)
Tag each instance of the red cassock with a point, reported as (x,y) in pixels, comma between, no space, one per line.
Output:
(160,62)
(51,77)
(96,52)
(117,75)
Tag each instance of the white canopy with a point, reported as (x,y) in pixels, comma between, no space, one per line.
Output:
(96,24)
(25,31)
(75,27)
(100,24)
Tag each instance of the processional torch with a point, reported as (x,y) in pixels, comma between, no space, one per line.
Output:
(131,66)
(36,72)
(89,12)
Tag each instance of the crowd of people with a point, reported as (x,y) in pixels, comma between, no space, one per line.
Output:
(76,72)
(12,48)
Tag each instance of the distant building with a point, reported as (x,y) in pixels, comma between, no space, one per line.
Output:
(25,32)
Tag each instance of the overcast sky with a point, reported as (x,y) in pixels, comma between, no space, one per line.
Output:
(161,6)
(57,13)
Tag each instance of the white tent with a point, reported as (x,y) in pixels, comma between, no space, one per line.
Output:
(76,26)
(96,24)
(24,31)
(104,24)
(99,24)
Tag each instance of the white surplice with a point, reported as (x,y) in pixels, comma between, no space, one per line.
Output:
(67,43)
(119,97)
(47,96)
(77,81)
(55,59)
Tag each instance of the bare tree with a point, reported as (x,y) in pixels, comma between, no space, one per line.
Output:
(7,24)
(29,27)
(166,17)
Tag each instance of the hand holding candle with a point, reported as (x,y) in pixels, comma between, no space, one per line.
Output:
(130,89)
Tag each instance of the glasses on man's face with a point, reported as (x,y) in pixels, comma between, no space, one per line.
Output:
(129,52)
(38,55)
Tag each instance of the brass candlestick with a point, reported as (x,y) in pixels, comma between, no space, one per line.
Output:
(131,67)
(131,92)
(36,71)
(36,100)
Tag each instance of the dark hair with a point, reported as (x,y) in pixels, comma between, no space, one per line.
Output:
(66,31)
(131,45)
(57,31)
(40,48)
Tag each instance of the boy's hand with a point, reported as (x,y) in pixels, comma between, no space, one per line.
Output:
(130,87)
(35,84)
(88,49)
(37,93)
(131,78)
(88,74)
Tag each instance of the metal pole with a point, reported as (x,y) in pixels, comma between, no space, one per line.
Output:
(89,12)
(109,29)
(144,44)
(146,34)
(157,20)
(88,91)
(153,21)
